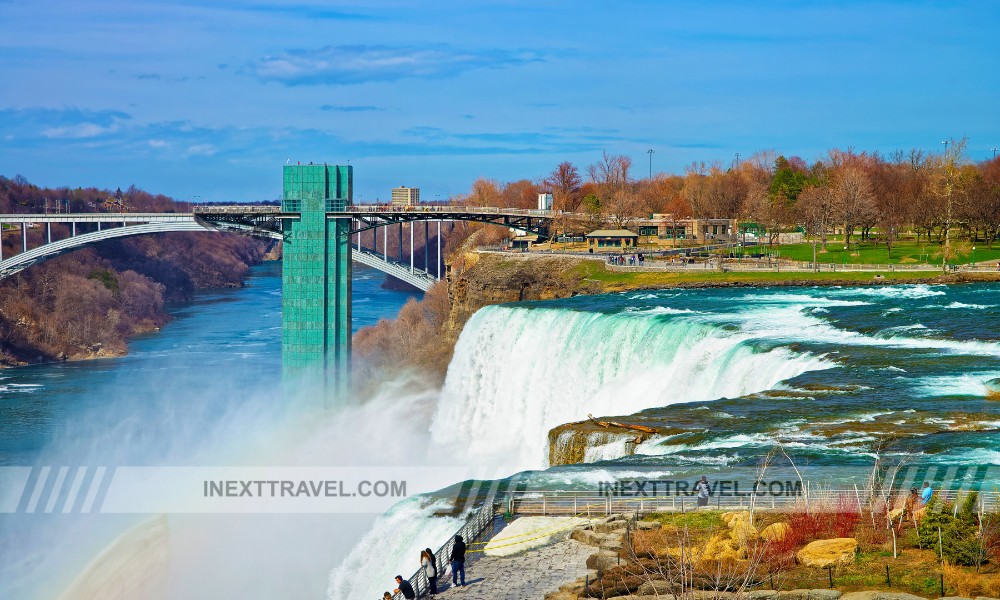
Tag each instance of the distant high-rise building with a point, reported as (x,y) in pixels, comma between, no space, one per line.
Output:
(405,196)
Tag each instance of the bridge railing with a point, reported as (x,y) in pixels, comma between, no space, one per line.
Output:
(438,209)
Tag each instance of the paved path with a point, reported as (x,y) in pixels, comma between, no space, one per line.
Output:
(527,576)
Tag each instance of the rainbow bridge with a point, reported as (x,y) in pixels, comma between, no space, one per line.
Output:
(316,222)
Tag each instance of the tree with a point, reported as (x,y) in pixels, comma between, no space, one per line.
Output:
(790,177)
(565,181)
(816,207)
(952,159)
(855,200)
(614,183)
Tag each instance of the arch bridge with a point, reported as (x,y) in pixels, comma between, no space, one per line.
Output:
(322,233)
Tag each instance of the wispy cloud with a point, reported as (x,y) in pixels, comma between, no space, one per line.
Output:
(341,65)
(307,11)
(60,123)
(337,108)
(166,78)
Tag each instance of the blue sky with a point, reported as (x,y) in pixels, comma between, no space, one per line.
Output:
(206,99)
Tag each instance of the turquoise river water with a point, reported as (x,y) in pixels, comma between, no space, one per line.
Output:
(724,373)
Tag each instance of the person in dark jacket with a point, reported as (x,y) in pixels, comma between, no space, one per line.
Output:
(458,561)
(405,588)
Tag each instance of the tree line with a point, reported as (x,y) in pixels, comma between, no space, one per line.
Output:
(860,195)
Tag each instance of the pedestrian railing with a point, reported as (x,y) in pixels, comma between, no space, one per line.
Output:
(480,527)
(807,497)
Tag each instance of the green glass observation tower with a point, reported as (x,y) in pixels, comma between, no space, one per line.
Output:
(316,274)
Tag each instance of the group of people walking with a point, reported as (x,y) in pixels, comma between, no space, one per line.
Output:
(622,260)
(428,564)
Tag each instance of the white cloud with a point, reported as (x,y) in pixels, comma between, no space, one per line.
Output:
(78,131)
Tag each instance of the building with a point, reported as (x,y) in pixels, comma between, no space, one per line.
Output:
(545,201)
(611,239)
(405,196)
(666,227)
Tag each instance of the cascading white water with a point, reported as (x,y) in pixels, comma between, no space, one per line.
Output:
(518,372)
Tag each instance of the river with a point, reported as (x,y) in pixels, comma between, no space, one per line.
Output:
(825,371)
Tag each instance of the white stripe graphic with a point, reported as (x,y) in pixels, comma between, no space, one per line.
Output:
(56,489)
(74,489)
(43,476)
(95,486)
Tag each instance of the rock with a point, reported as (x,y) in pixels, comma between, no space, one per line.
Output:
(987,597)
(575,587)
(763,595)
(825,594)
(561,596)
(740,515)
(602,560)
(648,525)
(828,553)
(611,542)
(712,595)
(878,595)
(657,587)
(586,536)
(742,533)
(956,598)
(775,532)
(793,595)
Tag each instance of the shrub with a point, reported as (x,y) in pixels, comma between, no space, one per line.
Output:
(953,533)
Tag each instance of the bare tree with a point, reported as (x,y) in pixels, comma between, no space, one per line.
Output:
(565,182)
(855,200)
(614,183)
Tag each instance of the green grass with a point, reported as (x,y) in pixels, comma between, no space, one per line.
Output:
(903,252)
(595,270)
(707,520)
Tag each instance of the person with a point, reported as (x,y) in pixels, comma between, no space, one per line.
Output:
(427,564)
(458,561)
(404,588)
(926,493)
(702,488)
(910,504)
(387,596)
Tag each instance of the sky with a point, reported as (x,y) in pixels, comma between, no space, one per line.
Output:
(205,100)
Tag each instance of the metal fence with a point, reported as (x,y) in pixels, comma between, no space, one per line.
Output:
(808,497)
(480,527)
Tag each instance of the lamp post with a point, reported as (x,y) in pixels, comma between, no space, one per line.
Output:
(650,153)
(994,149)
(973,257)
(736,162)
(947,225)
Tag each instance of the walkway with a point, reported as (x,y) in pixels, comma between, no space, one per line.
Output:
(527,576)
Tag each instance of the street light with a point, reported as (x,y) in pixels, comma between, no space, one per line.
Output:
(994,152)
(650,153)
(973,257)
(736,163)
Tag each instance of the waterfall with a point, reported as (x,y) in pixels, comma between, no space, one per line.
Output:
(519,371)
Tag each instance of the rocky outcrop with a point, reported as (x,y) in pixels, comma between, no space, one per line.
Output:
(828,553)
(476,280)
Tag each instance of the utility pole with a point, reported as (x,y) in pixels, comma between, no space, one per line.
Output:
(650,153)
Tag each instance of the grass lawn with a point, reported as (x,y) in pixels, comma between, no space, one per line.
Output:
(903,252)
(623,280)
